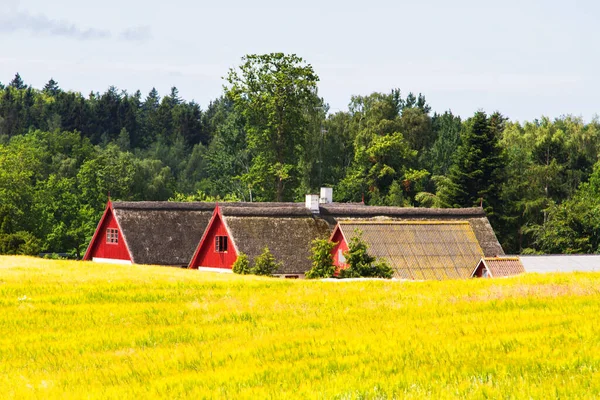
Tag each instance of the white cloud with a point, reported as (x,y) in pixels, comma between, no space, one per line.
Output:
(42,25)
(136,34)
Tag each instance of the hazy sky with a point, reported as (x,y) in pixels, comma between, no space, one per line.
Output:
(523,58)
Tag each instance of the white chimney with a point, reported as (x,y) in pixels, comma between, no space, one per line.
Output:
(326,195)
(312,202)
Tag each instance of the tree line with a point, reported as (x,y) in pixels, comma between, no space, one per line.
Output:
(271,137)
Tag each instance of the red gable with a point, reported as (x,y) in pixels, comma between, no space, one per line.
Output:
(216,248)
(339,249)
(108,241)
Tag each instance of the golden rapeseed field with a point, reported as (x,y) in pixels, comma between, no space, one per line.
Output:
(85,330)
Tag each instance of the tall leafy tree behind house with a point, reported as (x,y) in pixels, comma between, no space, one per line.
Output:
(385,168)
(276,94)
(440,156)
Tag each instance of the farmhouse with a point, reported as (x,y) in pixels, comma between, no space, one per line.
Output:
(149,232)
(414,249)
(475,216)
(498,267)
(287,229)
(419,243)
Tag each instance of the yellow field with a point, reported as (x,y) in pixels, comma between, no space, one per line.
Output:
(85,330)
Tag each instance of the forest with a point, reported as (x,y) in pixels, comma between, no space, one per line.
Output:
(271,137)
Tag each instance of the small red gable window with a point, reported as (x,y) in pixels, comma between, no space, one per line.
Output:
(220,244)
(112,236)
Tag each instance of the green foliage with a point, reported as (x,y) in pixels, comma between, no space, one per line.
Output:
(19,243)
(442,154)
(265,264)
(361,264)
(201,196)
(479,169)
(270,137)
(322,259)
(275,93)
(242,265)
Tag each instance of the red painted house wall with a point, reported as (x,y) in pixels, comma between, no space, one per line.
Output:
(479,271)
(338,238)
(206,256)
(100,248)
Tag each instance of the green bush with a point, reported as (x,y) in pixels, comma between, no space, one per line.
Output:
(322,259)
(242,265)
(361,264)
(265,264)
(19,243)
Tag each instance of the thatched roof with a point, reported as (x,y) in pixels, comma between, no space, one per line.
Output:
(167,233)
(164,205)
(360,210)
(162,233)
(269,210)
(420,249)
(475,216)
(286,231)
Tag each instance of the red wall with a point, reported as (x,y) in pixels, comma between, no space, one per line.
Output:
(207,256)
(479,272)
(341,245)
(101,249)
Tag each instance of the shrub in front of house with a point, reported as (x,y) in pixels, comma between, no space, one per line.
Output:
(361,264)
(322,259)
(242,265)
(265,264)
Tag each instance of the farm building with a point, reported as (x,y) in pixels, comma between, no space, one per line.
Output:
(149,232)
(202,235)
(416,250)
(498,267)
(486,238)
(287,229)
(561,263)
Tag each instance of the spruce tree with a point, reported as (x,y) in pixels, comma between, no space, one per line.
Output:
(17,82)
(51,87)
(477,173)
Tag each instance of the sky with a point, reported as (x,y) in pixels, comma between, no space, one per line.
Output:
(524,58)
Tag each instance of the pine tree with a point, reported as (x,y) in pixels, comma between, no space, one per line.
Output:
(17,82)
(478,172)
(174,96)
(51,88)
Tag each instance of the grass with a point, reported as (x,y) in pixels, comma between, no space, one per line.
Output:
(86,330)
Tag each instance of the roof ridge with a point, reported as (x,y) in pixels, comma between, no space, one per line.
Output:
(396,222)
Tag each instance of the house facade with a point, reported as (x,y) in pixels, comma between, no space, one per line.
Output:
(287,229)
(498,267)
(416,250)
(149,232)
(108,243)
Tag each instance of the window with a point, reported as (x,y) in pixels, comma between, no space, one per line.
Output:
(220,244)
(112,236)
(341,258)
